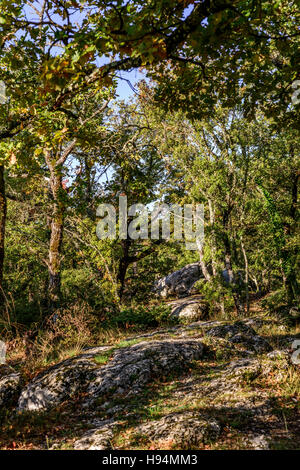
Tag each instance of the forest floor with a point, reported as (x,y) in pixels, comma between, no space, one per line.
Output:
(207,385)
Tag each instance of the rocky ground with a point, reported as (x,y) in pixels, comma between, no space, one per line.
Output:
(205,385)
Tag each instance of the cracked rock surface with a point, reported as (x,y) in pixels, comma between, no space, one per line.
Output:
(182,429)
(59,382)
(240,333)
(128,371)
(98,438)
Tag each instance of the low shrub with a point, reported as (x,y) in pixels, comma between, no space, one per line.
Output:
(137,316)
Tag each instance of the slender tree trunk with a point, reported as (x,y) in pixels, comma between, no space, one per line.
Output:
(123,266)
(290,279)
(135,268)
(88,188)
(3,212)
(285,255)
(228,266)
(235,294)
(57,224)
(213,244)
(202,262)
(246,275)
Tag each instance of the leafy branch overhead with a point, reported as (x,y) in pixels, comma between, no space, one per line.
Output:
(198,52)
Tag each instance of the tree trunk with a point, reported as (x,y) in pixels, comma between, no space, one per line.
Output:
(3,211)
(290,279)
(204,269)
(57,224)
(88,188)
(123,266)
(246,275)
(213,243)
(285,255)
(228,266)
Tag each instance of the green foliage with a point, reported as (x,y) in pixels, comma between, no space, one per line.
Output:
(140,315)
(275,301)
(216,293)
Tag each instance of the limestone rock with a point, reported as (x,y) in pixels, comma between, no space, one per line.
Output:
(241,334)
(98,438)
(259,442)
(132,368)
(59,382)
(189,309)
(128,371)
(178,283)
(181,429)
(278,354)
(243,368)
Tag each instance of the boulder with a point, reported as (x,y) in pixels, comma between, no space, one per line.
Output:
(178,283)
(59,382)
(126,372)
(98,438)
(132,368)
(241,334)
(189,310)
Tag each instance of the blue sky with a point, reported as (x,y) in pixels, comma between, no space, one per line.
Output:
(124,90)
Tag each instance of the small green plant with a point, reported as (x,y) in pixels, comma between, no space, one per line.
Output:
(105,356)
(102,359)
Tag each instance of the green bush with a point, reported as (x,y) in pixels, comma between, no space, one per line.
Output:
(276,301)
(143,316)
(215,292)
